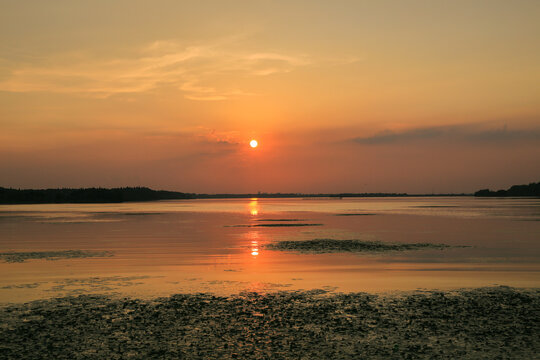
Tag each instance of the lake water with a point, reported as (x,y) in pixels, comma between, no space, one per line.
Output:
(186,246)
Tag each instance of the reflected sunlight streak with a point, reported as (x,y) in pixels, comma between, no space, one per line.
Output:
(254,246)
(253,206)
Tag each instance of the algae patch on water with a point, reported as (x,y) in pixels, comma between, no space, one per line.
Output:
(275,225)
(52,255)
(355,214)
(321,246)
(279,220)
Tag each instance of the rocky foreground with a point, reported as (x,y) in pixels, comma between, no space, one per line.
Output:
(485,323)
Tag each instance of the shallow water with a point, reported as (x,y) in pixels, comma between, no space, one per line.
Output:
(180,246)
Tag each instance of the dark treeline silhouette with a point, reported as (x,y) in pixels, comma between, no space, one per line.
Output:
(292,195)
(88,195)
(533,189)
(301,195)
(117,195)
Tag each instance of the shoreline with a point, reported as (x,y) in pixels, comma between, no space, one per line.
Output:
(297,197)
(101,195)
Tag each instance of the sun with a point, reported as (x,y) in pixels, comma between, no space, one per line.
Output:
(253,143)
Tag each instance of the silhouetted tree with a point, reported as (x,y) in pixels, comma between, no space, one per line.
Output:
(88,195)
(533,189)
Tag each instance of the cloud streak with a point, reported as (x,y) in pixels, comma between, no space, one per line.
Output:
(455,133)
(192,70)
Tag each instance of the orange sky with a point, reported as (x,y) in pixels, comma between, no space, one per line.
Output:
(344,96)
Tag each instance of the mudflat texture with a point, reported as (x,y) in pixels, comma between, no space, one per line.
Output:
(486,323)
(276,225)
(52,255)
(334,246)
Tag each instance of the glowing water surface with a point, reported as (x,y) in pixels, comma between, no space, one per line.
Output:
(218,246)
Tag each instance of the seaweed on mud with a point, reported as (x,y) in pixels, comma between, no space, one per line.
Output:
(486,323)
(274,225)
(436,206)
(22,286)
(355,214)
(52,255)
(285,225)
(336,246)
(279,220)
(141,213)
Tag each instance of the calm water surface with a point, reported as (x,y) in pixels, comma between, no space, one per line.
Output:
(169,247)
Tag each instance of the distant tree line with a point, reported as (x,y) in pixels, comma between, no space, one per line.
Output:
(533,189)
(293,195)
(88,195)
(118,195)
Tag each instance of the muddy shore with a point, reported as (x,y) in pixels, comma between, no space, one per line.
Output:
(496,322)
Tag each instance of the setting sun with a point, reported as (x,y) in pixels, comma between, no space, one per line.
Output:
(419,113)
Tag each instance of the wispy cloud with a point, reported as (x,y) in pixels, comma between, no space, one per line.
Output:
(191,69)
(466,133)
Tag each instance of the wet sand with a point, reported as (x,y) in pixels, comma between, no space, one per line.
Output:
(497,322)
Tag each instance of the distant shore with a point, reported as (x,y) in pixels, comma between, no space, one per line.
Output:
(127,194)
(87,195)
(532,189)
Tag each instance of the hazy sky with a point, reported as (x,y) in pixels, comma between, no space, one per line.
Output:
(357,96)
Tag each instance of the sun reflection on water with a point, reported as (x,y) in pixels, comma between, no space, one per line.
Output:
(253,206)
(253,236)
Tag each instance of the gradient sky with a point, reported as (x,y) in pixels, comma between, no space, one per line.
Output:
(343,96)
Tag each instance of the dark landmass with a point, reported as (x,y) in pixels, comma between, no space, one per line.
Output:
(486,323)
(88,195)
(307,196)
(118,195)
(320,246)
(355,214)
(294,195)
(279,220)
(533,189)
(52,255)
(274,225)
